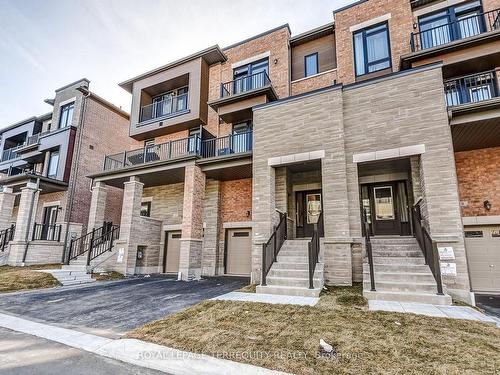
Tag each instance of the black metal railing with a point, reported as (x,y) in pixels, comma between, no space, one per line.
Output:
(46,232)
(6,235)
(369,250)
(150,153)
(244,84)
(171,106)
(460,29)
(98,241)
(313,249)
(428,246)
(272,247)
(230,144)
(471,89)
(10,153)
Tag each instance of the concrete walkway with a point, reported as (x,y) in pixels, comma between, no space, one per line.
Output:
(268,298)
(133,351)
(440,311)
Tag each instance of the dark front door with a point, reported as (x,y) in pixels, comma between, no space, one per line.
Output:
(309,207)
(49,221)
(386,205)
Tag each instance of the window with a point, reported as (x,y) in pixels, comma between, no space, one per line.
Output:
(170,102)
(311,64)
(371,49)
(444,26)
(384,203)
(66,116)
(53,163)
(146,209)
(250,76)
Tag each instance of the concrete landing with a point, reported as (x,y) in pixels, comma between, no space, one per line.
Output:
(268,298)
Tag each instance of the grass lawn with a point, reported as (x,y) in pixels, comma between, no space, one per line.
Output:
(107,276)
(286,337)
(21,278)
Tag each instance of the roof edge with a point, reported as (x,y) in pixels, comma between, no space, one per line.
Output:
(258,36)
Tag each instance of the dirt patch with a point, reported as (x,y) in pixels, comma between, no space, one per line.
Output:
(22,278)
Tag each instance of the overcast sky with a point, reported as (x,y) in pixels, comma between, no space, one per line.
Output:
(45,44)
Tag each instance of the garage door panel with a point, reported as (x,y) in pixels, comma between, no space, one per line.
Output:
(239,252)
(483,254)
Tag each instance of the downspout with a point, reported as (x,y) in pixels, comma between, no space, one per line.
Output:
(74,174)
(27,238)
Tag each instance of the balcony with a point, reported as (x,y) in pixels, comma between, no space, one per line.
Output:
(10,154)
(463,28)
(191,147)
(237,97)
(471,89)
(173,106)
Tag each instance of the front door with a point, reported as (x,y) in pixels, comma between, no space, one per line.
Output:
(171,253)
(49,221)
(309,207)
(386,205)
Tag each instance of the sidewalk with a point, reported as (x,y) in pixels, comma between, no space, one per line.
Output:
(439,311)
(134,351)
(268,298)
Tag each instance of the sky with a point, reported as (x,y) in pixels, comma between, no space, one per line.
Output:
(46,44)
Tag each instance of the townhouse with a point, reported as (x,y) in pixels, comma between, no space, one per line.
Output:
(45,194)
(366,149)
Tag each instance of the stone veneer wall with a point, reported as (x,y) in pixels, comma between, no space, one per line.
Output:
(166,202)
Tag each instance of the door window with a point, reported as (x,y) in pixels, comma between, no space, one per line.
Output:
(313,208)
(250,76)
(241,137)
(384,203)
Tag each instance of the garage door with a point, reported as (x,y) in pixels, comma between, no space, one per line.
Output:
(172,248)
(483,255)
(239,251)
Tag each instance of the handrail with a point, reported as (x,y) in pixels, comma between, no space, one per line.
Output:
(271,248)
(471,88)
(369,252)
(229,144)
(6,235)
(428,246)
(313,250)
(244,84)
(46,232)
(106,234)
(455,30)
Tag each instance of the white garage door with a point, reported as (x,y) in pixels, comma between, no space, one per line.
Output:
(239,251)
(483,255)
(173,249)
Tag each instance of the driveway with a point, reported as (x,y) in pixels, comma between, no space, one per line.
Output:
(111,309)
(489,303)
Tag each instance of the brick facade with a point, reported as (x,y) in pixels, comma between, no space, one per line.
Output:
(236,201)
(479,180)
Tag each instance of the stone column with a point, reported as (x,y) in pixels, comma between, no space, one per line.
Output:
(192,223)
(24,223)
(131,210)
(97,205)
(212,262)
(7,199)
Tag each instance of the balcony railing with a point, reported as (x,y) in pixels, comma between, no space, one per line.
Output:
(10,153)
(170,106)
(460,29)
(244,84)
(163,151)
(471,89)
(231,144)
(191,146)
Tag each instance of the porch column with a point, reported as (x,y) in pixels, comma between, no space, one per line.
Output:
(131,209)
(7,199)
(212,259)
(97,205)
(24,223)
(192,223)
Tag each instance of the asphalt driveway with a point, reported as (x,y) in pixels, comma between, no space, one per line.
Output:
(489,303)
(112,308)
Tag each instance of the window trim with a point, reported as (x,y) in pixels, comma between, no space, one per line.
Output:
(317,64)
(365,54)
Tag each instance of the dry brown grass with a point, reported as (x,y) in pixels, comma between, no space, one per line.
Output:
(22,278)
(107,276)
(248,289)
(286,338)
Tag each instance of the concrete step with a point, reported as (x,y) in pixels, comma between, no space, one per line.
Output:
(394,286)
(294,281)
(407,277)
(293,251)
(394,240)
(413,268)
(290,265)
(399,260)
(430,298)
(299,273)
(398,253)
(75,267)
(289,291)
(293,258)
(395,246)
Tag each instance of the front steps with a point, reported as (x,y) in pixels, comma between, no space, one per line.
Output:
(401,273)
(72,275)
(289,275)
